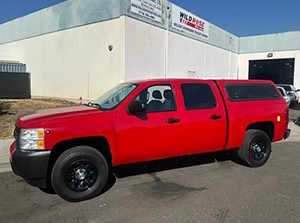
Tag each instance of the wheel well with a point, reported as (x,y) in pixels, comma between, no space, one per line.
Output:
(98,143)
(267,127)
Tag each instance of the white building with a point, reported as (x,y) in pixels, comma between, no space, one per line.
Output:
(81,48)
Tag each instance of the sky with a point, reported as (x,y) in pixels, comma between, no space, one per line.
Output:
(239,17)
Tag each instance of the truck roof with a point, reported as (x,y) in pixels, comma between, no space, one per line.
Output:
(220,81)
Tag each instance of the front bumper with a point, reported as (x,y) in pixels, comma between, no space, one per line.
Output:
(31,166)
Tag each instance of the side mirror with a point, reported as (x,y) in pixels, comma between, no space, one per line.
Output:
(136,107)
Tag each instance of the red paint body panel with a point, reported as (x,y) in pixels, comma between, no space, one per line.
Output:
(148,136)
(244,113)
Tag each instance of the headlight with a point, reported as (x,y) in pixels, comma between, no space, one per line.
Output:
(32,139)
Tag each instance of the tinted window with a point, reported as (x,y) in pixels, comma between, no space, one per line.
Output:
(198,96)
(251,92)
(286,87)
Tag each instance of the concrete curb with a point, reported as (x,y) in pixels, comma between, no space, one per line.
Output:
(4,146)
(4,155)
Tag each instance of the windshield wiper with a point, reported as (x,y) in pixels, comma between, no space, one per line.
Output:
(93,104)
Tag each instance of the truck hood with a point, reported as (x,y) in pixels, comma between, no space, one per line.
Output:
(46,115)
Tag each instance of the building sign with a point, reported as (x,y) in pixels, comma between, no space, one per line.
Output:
(189,23)
(150,9)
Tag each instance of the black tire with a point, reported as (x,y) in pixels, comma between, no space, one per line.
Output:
(79,173)
(48,189)
(256,148)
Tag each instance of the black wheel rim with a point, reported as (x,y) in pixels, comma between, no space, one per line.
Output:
(81,176)
(258,150)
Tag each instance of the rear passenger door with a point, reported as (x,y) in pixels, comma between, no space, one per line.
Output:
(204,120)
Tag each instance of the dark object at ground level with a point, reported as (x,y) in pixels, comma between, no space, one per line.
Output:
(15,85)
(297,121)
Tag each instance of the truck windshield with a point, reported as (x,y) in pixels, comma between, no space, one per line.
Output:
(114,96)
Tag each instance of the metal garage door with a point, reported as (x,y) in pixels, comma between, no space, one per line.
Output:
(280,71)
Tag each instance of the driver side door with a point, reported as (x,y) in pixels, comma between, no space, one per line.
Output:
(154,134)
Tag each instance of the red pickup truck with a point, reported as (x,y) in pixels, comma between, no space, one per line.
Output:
(72,149)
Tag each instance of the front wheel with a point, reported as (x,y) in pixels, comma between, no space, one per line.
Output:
(256,148)
(79,173)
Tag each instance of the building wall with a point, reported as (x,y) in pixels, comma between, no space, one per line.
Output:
(153,52)
(145,46)
(62,16)
(75,13)
(65,47)
(191,58)
(281,45)
(276,42)
(244,62)
(72,63)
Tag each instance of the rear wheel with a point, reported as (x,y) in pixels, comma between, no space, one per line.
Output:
(80,173)
(256,148)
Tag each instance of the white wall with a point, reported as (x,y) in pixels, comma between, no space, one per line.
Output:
(76,62)
(144,50)
(245,58)
(188,56)
(148,54)
(72,63)
(69,58)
